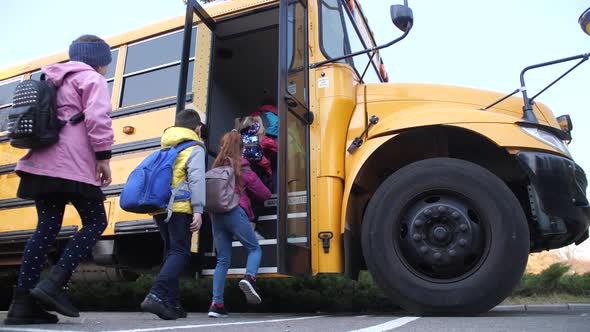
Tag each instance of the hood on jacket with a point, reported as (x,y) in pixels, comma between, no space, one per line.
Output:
(269,108)
(56,73)
(176,135)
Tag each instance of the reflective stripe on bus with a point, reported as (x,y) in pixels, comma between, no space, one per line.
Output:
(289,216)
(261,270)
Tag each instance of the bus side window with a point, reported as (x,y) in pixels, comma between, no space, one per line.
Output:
(152,68)
(6,90)
(110,75)
(36,76)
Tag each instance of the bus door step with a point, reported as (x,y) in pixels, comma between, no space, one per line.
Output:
(240,255)
(242,271)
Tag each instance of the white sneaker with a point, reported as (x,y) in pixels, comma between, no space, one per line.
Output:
(258,236)
(248,287)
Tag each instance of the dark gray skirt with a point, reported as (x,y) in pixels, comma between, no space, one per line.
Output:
(34,186)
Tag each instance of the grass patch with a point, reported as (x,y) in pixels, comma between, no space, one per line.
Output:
(324,293)
(555,298)
(556,279)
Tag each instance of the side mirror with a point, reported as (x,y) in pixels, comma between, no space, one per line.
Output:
(565,123)
(584,21)
(402,17)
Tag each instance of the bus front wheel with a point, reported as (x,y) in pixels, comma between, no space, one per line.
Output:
(445,236)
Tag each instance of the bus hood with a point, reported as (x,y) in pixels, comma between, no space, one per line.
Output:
(441,97)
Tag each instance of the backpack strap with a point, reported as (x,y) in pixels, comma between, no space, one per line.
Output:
(171,202)
(179,148)
(188,144)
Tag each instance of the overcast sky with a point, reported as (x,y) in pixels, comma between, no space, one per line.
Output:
(480,44)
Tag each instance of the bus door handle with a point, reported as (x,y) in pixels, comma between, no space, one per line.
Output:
(326,237)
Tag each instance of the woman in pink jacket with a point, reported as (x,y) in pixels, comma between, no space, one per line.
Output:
(236,223)
(71,170)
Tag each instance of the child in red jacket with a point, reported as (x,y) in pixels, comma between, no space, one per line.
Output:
(260,150)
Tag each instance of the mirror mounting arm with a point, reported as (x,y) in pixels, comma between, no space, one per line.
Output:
(372,49)
(585,58)
(368,65)
(529,115)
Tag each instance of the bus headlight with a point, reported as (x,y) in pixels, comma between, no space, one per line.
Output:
(547,138)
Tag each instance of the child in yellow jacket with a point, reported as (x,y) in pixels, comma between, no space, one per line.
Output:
(188,176)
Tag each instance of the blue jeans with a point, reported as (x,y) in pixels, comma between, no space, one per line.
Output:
(225,226)
(177,244)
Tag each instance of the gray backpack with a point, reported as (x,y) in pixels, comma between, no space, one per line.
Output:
(221,195)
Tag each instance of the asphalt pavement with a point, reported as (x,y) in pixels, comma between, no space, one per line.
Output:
(572,317)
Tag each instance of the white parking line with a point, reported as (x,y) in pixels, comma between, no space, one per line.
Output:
(171,327)
(21,329)
(392,324)
(217,324)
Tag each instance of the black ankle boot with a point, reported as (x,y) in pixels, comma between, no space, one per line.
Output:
(24,309)
(50,292)
(152,303)
(179,310)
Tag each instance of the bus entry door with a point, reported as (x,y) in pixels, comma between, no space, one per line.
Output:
(293,228)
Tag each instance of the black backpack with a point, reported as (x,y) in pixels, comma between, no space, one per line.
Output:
(32,120)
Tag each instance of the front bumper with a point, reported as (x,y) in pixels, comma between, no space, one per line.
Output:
(557,193)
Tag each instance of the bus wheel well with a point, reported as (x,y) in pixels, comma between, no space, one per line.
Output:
(415,145)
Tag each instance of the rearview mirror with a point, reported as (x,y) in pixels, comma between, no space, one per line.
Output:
(402,17)
(584,21)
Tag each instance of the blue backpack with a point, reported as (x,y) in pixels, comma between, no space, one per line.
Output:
(271,123)
(149,186)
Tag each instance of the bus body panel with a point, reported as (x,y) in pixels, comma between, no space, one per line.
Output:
(333,104)
(403,106)
(336,103)
(10,155)
(25,218)
(146,125)
(354,164)
(469,98)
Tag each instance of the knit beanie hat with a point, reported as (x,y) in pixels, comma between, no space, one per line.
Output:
(91,50)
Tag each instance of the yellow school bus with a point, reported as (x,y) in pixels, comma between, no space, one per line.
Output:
(440,192)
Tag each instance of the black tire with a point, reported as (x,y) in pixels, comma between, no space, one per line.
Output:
(445,237)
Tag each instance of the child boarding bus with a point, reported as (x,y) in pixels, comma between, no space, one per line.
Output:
(440,192)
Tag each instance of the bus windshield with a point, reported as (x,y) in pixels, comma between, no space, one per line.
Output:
(343,31)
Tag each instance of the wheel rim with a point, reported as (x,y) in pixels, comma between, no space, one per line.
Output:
(442,237)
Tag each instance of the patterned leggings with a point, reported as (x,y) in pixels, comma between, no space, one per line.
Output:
(50,213)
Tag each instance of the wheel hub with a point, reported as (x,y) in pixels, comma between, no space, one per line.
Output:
(440,234)
(441,240)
